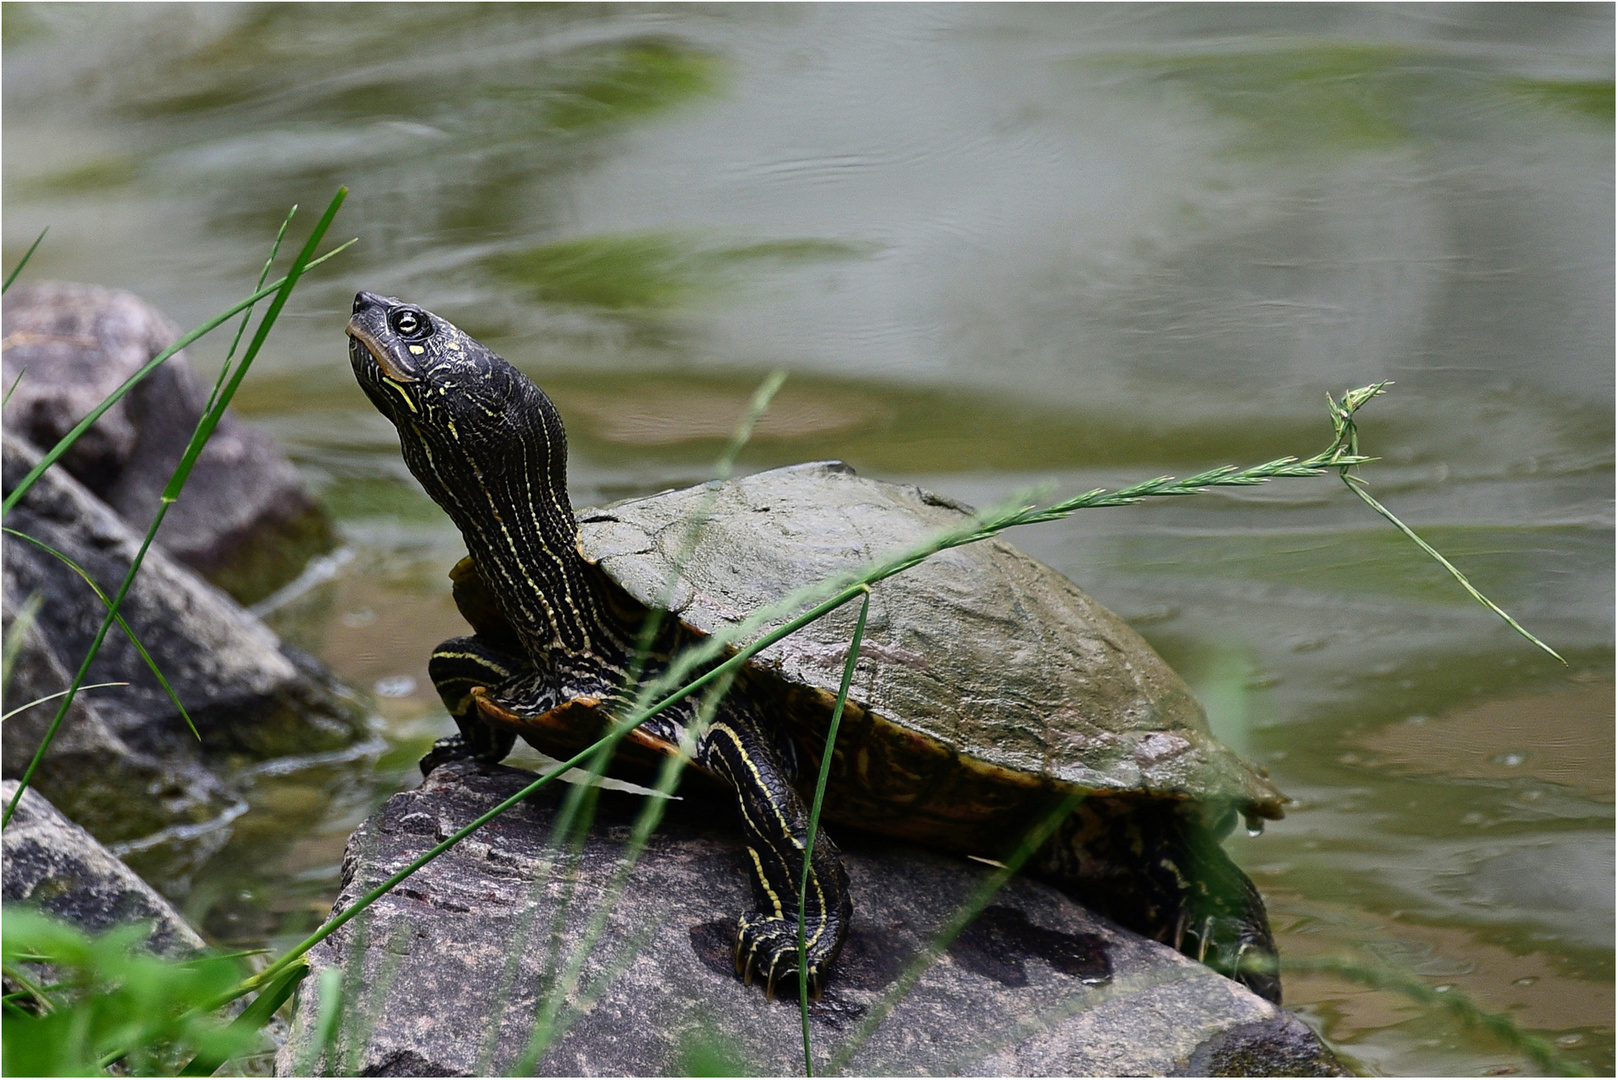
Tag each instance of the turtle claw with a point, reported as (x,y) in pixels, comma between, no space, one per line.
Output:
(767,946)
(457,748)
(445,750)
(1230,947)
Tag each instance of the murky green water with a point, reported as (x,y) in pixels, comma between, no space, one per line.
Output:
(995,247)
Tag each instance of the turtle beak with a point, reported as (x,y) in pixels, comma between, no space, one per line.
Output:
(391,365)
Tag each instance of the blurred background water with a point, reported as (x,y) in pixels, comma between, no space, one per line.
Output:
(995,246)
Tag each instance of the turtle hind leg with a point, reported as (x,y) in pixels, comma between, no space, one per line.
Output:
(457,667)
(1149,867)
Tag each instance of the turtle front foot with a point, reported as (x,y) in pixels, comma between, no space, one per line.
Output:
(455,748)
(767,949)
(1238,949)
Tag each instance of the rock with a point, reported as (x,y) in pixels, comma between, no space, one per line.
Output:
(53,865)
(244,521)
(445,969)
(125,765)
(125,793)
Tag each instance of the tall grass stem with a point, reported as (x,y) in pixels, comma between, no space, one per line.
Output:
(29,254)
(814,824)
(124,626)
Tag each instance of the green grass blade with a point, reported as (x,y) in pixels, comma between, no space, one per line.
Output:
(756,407)
(29,254)
(128,384)
(30,988)
(17,635)
(814,825)
(52,697)
(244,1027)
(328,1016)
(247,316)
(1357,486)
(211,418)
(551,1024)
(14,384)
(199,438)
(128,632)
(727,668)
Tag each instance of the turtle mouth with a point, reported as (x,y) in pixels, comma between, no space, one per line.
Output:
(384,359)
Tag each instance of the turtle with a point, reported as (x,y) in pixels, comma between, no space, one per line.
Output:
(988,690)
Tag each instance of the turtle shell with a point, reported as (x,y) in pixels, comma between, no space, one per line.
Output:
(983,674)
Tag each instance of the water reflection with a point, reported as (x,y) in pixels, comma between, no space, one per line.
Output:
(997,247)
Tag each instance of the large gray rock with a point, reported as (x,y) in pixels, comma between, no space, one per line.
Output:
(124,764)
(51,864)
(442,976)
(245,521)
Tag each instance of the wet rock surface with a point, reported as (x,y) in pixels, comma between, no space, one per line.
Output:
(443,975)
(245,521)
(124,763)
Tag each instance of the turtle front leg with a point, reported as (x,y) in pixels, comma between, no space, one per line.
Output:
(457,667)
(1155,870)
(1222,921)
(775,823)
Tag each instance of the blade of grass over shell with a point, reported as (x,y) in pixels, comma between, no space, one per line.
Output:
(29,254)
(66,441)
(832,594)
(814,824)
(756,407)
(199,439)
(122,625)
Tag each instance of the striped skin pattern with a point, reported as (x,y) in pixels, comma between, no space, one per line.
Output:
(551,650)
(553,647)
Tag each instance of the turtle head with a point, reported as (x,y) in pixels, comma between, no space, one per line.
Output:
(451,396)
(423,370)
(485,442)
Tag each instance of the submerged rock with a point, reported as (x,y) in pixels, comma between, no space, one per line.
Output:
(443,976)
(124,764)
(245,521)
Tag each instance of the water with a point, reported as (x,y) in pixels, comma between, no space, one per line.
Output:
(996,247)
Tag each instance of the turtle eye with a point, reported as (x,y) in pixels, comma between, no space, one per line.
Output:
(410,324)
